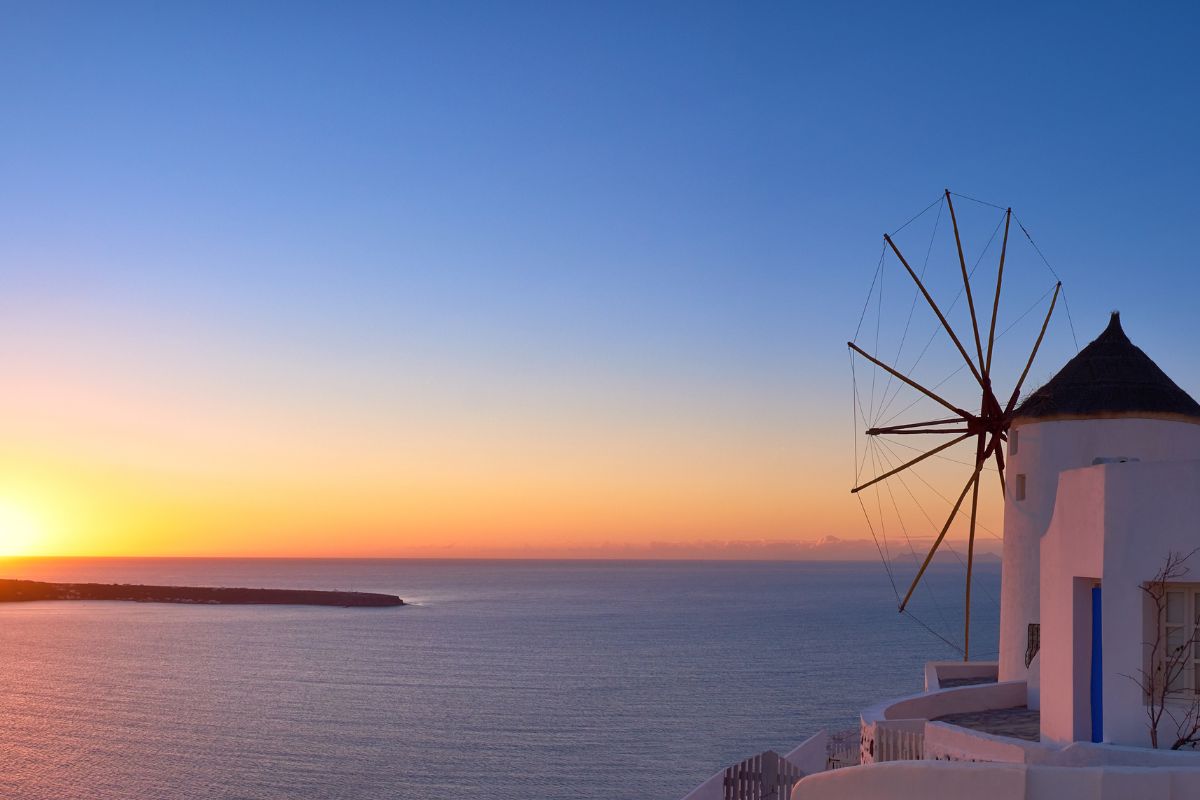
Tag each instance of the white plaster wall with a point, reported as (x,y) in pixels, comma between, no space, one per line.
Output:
(1115,522)
(811,755)
(918,780)
(938,671)
(1044,450)
(955,700)
(1072,548)
(1150,510)
(933,780)
(950,742)
(909,714)
(1086,754)
(945,742)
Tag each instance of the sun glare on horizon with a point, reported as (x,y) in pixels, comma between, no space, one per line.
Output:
(22,529)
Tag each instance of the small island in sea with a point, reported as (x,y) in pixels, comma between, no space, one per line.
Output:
(18,591)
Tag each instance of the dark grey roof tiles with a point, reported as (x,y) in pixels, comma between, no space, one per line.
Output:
(1109,377)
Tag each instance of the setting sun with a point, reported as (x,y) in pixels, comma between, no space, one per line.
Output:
(21,529)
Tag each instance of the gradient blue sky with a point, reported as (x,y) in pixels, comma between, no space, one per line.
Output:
(580,249)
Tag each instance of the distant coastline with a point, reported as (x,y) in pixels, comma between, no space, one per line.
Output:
(21,591)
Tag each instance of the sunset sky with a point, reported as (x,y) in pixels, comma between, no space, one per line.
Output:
(526,278)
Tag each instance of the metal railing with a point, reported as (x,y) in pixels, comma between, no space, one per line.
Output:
(842,749)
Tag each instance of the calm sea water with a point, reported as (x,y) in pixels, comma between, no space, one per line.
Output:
(504,679)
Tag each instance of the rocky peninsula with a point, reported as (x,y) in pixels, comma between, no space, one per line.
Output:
(18,591)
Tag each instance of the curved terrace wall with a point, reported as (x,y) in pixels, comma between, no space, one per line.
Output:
(885,723)
(920,780)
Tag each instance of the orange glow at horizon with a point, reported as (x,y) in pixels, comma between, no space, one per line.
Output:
(114,457)
(135,512)
(390,509)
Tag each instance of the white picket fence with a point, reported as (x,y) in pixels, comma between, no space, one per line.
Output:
(898,745)
(766,776)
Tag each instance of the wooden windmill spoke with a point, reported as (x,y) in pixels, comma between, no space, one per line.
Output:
(914,431)
(999,453)
(938,542)
(927,423)
(987,366)
(987,453)
(963,414)
(936,310)
(1012,401)
(916,460)
(971,548)
(932,426)
(993,448)
(962,262)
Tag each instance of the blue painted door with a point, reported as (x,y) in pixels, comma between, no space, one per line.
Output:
(1097,669)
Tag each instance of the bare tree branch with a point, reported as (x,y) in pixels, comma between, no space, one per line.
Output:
(1168,663)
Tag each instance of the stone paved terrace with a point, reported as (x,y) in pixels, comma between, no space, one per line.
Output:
(1017,723)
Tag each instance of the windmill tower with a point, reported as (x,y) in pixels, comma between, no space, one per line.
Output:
(1109,403)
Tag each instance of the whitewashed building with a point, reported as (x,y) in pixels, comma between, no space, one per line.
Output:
(1103,488)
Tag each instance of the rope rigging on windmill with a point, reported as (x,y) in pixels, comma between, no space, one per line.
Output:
(979,425)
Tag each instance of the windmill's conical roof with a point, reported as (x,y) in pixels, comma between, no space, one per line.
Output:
(1111,377)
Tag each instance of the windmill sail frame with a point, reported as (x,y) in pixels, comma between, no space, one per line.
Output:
(989,426)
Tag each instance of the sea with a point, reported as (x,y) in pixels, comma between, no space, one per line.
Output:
(580,680)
